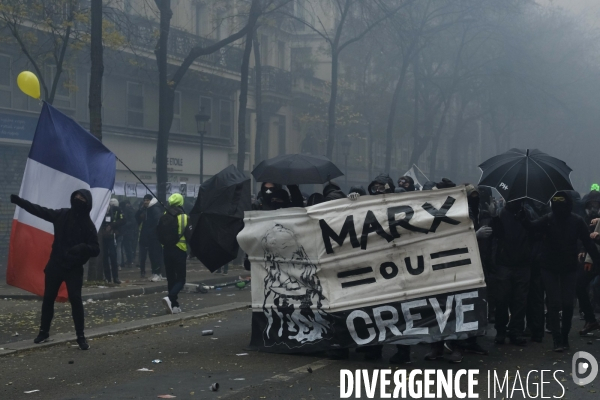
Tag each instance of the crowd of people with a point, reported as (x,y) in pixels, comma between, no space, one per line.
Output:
(537,260)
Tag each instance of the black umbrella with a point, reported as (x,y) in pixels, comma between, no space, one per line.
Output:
(290,169)
(531,174)
(218,217)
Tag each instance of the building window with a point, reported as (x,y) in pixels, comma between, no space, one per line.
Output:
(201,20)
(281,131)
(223,22)
(281,54)
(135,104)
(225,120)
(5,81)
(206,108)
(176,124)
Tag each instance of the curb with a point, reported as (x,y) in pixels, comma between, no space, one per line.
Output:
(62,338)
(119,293)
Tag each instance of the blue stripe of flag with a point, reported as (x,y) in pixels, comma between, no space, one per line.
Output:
(64,145)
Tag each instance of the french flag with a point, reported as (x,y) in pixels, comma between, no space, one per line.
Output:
(64,157)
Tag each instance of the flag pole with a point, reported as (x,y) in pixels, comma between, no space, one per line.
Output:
(141,181)
(415,165)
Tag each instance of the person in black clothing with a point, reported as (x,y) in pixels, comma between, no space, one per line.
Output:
(128,230)
(561,229)
(535,312)
(75,242)
(590,271)
(407,183)
(113,221)
(332,191)
(512,273)
(147,218)
(263,200)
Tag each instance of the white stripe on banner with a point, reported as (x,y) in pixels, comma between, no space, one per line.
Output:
(52,189)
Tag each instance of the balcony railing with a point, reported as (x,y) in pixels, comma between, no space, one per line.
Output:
(273,80)
(143,33)
(311,86)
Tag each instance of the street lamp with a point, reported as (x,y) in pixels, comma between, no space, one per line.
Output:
(346,150)
(202,119)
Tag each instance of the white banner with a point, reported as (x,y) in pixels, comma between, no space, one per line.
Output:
(343,255)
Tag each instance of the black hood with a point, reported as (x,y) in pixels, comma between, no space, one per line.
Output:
(87,195)
(594,195)
(332,191)
(383,179)
(561,210)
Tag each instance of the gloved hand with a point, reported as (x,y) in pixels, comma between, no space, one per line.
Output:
(14,198)
(81,249)
(353,196)
(484,232)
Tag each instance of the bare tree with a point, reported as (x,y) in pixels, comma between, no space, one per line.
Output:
(44,31)
(167,83)
(364,14)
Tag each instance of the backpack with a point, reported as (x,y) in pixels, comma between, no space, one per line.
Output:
(168,228)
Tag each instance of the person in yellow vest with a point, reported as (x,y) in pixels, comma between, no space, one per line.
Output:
(175,256)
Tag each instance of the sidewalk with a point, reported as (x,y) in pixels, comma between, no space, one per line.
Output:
(133,285)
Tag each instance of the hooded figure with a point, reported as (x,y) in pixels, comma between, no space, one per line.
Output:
(332,191)
(75,242)
(381,184)
(589,273)
(263,201)
(175,255)
(407,183)
(561,230)
(147,217)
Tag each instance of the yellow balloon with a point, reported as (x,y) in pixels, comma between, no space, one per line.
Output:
(29,84)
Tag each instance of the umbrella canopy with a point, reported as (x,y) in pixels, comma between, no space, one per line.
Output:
(218,217)
(531,174)
(292,169)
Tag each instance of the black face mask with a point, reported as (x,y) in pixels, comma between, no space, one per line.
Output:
(561,209)
(80,207)
(592,212)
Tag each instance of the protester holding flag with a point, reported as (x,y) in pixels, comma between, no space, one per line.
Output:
(75,241)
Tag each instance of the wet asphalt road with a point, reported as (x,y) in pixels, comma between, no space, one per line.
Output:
(22,317)
(191,363)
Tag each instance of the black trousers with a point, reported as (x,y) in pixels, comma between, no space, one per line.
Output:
(153,250)
(175,259)
(535,304)
(129,246)
(512,288)
(109,253)
(55,276)
(584,278)
(560,295)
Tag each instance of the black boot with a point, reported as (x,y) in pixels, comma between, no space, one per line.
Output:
(436,351)
(558,347)
(565,341)
(518,341)
(41,337)
(83,344)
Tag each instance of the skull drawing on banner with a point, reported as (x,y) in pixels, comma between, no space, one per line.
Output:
(293,292)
